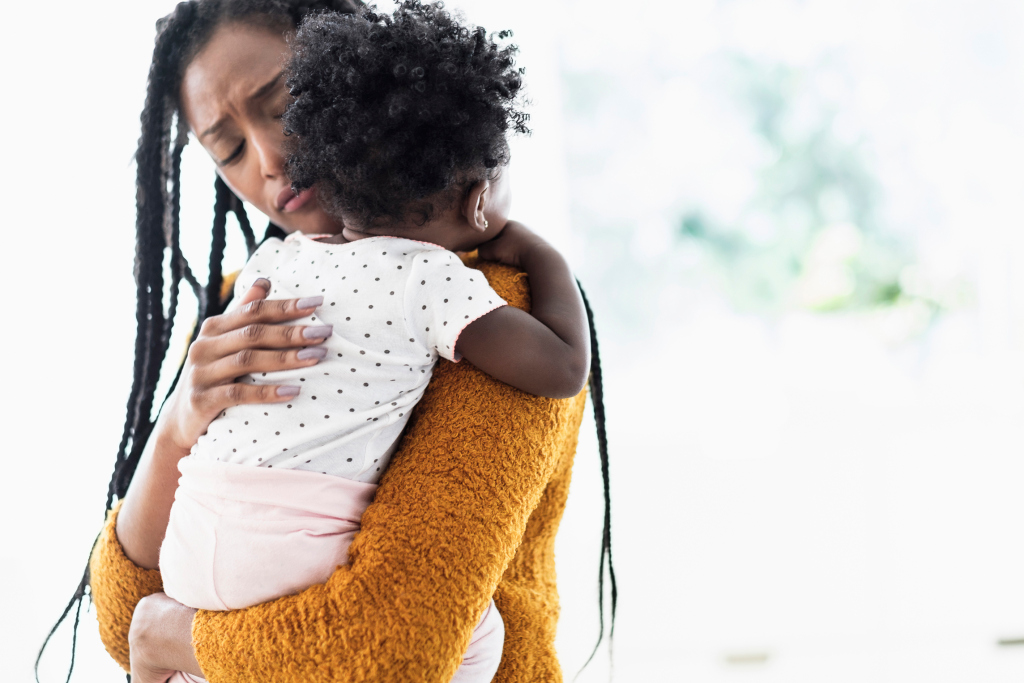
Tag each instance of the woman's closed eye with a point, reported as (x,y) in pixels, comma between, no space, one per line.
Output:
(279,103)
(234,156)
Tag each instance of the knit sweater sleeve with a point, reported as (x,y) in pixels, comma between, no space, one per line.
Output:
(117,585)
(448,518)
(452,517)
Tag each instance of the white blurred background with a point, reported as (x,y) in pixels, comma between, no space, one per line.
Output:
(800,225)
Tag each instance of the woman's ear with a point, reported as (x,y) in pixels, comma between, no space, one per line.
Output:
(475,203)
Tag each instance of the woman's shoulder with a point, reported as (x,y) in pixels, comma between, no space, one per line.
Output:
(511,284)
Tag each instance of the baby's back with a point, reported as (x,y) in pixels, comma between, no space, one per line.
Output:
(396,306)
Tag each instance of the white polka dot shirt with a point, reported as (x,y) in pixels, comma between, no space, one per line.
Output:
(396,306)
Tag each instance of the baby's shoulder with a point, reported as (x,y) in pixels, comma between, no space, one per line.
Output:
(402,259)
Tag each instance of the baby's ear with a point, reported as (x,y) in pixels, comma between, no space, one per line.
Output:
(475,203)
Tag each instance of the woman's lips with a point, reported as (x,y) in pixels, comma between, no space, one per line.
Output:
(288,201)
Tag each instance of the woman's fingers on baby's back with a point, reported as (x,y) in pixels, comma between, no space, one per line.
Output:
(273,310)
(255,314)
(259,289)
(275,336)
(258,348)
(228,395)
(224,380)
(261,361)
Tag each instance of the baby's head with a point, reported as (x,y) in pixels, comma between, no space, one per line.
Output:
(401,121)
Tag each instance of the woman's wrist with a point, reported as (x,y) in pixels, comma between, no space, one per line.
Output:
(168,439)
(161,635)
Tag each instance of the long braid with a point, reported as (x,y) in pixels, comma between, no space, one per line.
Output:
(221,206)
(152,200)
(597,398)
(238,208)
(179,266)
(155,226)
(75,603)
(177,261)
(158,194)
(182,270)
(209,297)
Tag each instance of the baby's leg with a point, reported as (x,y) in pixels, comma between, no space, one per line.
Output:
(239,536)
(484,653)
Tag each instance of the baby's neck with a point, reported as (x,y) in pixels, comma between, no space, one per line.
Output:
(336,238)
(447,229)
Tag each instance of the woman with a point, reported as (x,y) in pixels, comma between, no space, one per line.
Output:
(420,573)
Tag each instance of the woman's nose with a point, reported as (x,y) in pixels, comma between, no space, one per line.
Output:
(268,150)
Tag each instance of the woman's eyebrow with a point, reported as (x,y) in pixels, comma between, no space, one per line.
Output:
(214,128)
(267,87)
(261,92)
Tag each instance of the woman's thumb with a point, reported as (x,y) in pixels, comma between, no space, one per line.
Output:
(259,290)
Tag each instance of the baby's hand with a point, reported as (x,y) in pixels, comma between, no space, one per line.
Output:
(512,246)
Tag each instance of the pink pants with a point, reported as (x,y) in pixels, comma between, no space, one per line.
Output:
(239,536)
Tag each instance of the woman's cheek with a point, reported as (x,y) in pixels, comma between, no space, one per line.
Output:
(236,183)
(248,184)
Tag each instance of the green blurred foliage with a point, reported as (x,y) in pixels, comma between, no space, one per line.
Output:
(790,217)
(811,235)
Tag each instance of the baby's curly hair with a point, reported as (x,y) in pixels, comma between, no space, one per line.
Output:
(391,110)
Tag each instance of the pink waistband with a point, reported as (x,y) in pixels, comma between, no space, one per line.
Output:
(310,492)
(240,535)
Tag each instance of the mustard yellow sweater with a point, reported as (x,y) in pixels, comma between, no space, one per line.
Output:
(468,508)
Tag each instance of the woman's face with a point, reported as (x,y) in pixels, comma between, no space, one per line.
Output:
(233,96)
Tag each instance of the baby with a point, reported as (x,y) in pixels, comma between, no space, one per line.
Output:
(400,122)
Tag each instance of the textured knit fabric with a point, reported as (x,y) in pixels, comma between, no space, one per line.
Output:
(396,306)
(240,536)
(117,584)
(469,507)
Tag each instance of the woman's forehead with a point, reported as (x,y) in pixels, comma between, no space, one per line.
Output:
(237,61)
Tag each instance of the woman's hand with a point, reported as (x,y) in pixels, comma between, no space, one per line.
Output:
(245,340)
(160,640)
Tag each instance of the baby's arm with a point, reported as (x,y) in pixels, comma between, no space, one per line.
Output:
(546,353)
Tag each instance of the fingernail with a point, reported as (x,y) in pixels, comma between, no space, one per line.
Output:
(317,352)
(318,332)
(287,391)
(309,302)
(262,282)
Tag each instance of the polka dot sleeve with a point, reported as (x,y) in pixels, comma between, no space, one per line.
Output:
(443,296)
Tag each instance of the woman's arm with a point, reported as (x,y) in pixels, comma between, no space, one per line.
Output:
(145,631)
(451,512)
(116,585)
(448,518)
(545,352)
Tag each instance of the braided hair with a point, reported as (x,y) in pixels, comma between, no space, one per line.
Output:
(180,36)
